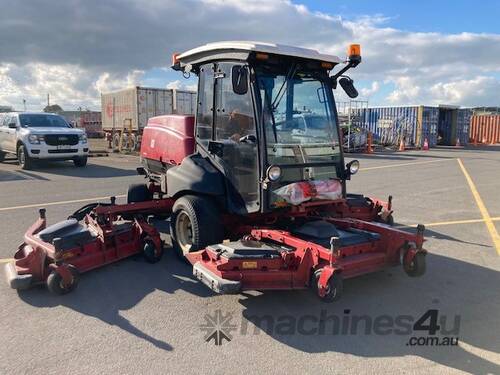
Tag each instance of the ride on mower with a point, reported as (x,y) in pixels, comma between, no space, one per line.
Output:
(93,236)
(259,201)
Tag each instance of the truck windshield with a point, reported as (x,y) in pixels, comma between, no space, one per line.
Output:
(298,119)
(42,120)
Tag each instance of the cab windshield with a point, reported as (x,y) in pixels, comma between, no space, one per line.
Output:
(298,119)
(42,120)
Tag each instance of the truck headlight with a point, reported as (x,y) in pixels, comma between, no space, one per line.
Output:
(35,139)
(82,138)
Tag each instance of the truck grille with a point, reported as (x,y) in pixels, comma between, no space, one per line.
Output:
(61,139)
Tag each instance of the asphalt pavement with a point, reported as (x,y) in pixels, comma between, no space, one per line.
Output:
(133,317)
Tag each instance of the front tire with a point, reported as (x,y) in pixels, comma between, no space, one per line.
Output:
(195,223)
(334,288)
(149,252)
(416,267)
(23,158)
(80,161)
(55,281)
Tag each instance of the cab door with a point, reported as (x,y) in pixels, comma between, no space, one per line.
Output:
(235,132)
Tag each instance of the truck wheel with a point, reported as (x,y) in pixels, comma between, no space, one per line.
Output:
(195,223)
(149,252)
(138,193)
(55,281)
(115,142)
(23,157)
(416,267)
(80,161)
(334,288)
(2,156)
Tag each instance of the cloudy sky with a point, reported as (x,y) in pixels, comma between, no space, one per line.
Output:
(415,53)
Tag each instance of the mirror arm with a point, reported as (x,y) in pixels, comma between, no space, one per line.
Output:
(350,64)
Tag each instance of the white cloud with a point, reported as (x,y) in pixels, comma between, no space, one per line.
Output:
(96,49)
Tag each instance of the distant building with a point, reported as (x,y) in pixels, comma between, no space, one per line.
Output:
(6,108)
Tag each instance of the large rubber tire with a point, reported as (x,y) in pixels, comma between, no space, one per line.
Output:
(23,158)
(55,285)
(149,252)
(195,223)
(416,267)
(2,156)
(80,161)
(138,193)
(335,286)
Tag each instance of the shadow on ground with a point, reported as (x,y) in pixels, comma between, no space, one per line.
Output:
(67,168)
(450,285)
(103,293)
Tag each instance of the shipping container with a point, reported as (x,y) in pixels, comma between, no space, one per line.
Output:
(413,124)
(88,120)
(485,129)
(134,106)
(438,124)
(463,124)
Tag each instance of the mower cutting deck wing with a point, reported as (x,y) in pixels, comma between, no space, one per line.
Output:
(318,254)
(56,255)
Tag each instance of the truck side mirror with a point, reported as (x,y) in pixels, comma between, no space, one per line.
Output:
(239,74)
(348,86)
(12,125)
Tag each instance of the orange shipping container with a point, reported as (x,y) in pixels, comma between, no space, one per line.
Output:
(485,129)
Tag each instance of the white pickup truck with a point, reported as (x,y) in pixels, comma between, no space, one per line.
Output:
(38,135)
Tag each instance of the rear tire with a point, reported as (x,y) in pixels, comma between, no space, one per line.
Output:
(55,281)
(23,158)
(195,223)
(80,161)
(138,193)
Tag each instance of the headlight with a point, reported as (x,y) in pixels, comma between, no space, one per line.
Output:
(353,167)
(35,139)
(82,138)
(273,173)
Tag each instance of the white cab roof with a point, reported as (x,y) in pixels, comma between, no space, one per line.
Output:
(278,49)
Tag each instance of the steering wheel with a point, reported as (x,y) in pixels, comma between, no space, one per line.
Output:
(249,138)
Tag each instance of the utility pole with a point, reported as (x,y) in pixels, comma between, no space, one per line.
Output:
(48,100)
(24,104)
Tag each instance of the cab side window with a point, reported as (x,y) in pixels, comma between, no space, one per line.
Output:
(235,117)
(205,111)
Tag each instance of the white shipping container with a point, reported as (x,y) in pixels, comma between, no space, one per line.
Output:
(137,104)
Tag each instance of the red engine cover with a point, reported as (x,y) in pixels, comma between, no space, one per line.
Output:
(168,139)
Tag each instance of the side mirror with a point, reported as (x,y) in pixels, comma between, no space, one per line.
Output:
(239,74)
(352,168)
(12,125)
(348,86)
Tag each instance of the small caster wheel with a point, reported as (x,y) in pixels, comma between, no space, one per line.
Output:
(56,285)
(150,253)
(416,267)
(334,287)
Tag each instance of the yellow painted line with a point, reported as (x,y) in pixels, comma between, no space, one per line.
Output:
(6,260)
(454,222)
(403,164)
(58,203)
(482,208)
